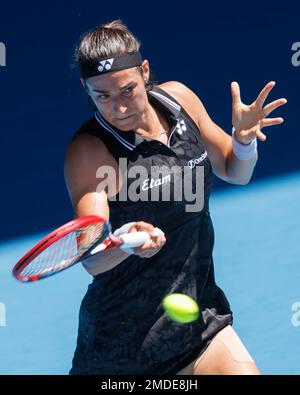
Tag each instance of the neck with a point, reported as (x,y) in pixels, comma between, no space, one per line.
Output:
(150,124)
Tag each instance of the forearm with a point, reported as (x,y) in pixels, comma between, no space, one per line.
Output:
(94,203)
(239,171)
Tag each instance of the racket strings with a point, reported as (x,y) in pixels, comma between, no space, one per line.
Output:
(66,250)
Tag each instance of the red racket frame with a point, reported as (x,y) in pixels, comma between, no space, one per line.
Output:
(49,240)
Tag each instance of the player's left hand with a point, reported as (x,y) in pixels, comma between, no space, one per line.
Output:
(248,120)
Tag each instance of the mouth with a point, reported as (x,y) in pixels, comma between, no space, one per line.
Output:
(123,119)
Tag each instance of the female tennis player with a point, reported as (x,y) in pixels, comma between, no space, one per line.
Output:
(139,125)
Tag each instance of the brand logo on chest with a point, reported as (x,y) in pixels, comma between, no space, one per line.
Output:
(181,126)
(194,162)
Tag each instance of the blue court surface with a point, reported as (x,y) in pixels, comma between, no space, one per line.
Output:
(257,263)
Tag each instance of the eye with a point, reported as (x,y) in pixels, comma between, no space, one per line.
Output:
(102,97)
(128,90)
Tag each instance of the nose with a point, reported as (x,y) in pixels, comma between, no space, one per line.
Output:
(119,107)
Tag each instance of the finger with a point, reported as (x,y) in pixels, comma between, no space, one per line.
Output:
(146,246)
(151,245)
(272,106)
(158,236)
(149,251)
(158,241)
(143,226)
(161,240)
(264,94)
(235,93)
(157,232)
(260,135)
(270,121)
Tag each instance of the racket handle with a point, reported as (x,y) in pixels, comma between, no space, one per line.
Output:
(130,241)
(134,239)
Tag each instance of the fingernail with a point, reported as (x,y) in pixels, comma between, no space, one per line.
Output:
(156,232)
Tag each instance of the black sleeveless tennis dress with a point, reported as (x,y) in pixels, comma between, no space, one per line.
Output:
(123,328)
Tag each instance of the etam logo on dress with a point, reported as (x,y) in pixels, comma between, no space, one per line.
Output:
(151,182)
(105,65)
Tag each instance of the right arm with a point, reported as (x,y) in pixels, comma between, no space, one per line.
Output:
(89,196)
(85,154)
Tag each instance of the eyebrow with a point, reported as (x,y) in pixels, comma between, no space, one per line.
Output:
(122,87)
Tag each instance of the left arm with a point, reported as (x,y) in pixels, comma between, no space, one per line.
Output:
(239,171)
(247,120)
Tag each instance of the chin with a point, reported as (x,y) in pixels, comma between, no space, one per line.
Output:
(126,124)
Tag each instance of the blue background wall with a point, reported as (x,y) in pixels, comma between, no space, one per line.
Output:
(204,45)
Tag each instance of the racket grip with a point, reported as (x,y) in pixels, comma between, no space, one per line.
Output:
(132,240)
(123,229)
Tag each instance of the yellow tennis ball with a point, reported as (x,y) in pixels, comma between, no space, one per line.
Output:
(180,308)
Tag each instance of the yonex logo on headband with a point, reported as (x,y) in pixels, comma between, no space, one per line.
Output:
(105,65)
(92,68)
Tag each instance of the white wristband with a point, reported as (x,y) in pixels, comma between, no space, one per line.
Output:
(243,151)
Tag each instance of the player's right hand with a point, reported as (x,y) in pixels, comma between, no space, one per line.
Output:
(152,246)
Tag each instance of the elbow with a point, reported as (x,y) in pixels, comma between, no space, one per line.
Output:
(244,182)
(239,181)
(233,180)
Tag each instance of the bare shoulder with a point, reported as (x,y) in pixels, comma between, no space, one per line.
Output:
(87,152)
(85,146)
(85,155)
(186,98)
(176,87)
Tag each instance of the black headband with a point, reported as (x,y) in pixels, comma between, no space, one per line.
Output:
(114,63)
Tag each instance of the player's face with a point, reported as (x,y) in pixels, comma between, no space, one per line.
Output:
(120,97)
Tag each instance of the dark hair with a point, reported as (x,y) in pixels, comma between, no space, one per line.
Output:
(107,40)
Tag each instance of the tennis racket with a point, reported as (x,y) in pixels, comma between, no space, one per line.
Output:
(71,243)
